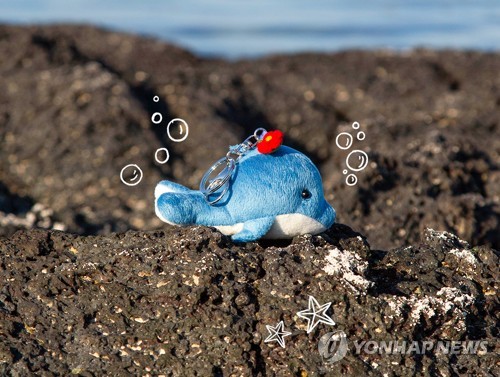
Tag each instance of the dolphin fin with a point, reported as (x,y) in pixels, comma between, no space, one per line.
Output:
(254,229)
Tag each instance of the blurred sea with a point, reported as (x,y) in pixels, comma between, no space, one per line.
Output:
(250,28)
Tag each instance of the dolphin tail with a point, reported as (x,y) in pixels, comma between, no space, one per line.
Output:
(178,205)
(177,209)
(167,186)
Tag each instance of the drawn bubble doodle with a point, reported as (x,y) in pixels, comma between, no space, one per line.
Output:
(156,118)
(131,175)
(159,152)
(177,130)
(351,180)
(344,140)
(357,160)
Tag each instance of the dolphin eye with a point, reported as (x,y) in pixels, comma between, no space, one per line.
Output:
(306,194)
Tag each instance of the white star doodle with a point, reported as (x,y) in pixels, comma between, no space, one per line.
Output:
(315,314)
(277,334)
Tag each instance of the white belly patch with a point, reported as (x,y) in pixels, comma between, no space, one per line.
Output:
(284,226)
(229,230)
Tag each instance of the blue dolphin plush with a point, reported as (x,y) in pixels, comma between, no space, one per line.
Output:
(276,196)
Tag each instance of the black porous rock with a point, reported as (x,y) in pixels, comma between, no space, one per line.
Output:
(188,302)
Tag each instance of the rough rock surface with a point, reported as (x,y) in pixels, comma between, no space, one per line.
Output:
(76,105)
(188,302)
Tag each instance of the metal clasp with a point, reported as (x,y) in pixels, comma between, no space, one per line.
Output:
(217,179)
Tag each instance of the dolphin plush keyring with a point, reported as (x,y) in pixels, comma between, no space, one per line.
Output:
(260,189)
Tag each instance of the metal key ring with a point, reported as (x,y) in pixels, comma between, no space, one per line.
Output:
(209,186)
(216,200)
(259,133)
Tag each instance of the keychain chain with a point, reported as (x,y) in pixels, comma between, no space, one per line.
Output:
(219,175)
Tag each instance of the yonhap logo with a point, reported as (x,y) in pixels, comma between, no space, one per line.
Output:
(333,346)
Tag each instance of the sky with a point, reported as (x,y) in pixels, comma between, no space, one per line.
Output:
(253,28)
